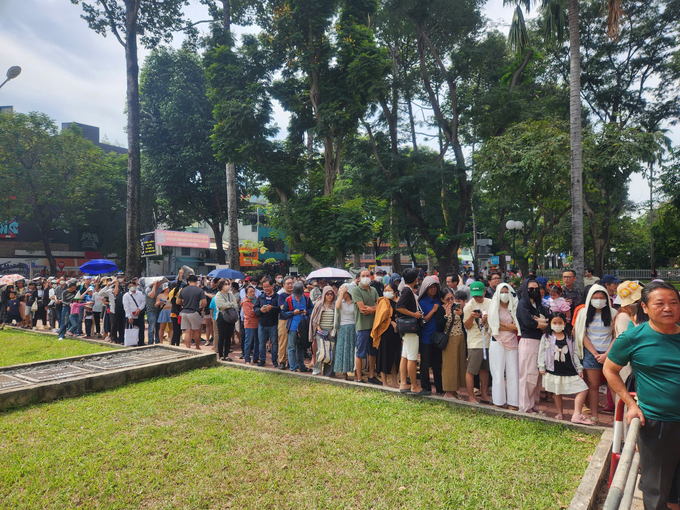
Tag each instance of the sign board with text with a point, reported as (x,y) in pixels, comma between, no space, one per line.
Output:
(149,246)
(182,239)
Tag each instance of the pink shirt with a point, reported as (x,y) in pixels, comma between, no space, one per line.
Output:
(507,339)
(250,319)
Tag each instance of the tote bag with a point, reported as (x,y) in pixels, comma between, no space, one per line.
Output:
(131,335)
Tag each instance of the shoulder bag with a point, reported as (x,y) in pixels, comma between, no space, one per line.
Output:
(324,348)
(409,324)
(440,339)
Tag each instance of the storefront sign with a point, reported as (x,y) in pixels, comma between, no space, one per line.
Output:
(248,256)
(9,229)
(182,239)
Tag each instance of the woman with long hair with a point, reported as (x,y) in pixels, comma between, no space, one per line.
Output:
(594,334)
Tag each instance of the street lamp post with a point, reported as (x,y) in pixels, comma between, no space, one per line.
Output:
(12,73)
(514,226)
(613,250)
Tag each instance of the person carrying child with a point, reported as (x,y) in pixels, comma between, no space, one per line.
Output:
(561,368)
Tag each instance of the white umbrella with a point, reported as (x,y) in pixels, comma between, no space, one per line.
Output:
(329,272)
(8,279)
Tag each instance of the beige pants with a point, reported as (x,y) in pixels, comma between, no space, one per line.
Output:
(529,378)
(283,342)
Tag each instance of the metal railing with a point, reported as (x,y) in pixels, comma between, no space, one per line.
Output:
(625,464)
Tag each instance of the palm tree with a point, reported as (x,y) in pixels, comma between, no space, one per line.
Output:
(553,11)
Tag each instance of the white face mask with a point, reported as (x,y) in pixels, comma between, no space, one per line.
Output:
(132,289)
(279,280)
(365,280)
(389,295)
(558,329)
(598,303)
(121,280)
(505,297)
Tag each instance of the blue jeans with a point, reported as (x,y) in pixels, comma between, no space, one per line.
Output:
(248,348)
(63,320)
(74,323)
(152,318)
(81,317)
(296,353)
(265,333)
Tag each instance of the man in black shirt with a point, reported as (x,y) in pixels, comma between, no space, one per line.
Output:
(377,283)
(407,306)
(193,300)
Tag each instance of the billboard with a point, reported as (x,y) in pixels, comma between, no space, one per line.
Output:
(182,239)
(149,247)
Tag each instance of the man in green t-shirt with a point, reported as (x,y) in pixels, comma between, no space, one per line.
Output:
(653,351)
(365,298)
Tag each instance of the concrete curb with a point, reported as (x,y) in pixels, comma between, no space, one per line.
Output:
(51,333)
(587,494)
(454,403)
(76,386)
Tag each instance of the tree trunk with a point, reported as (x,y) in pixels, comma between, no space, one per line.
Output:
(448,260)
(45,236)
(339,259)
(356,262)
(232,217)
(430,263)
(218,229)
(576,147)
(232,195)
(412,123)
(133,260)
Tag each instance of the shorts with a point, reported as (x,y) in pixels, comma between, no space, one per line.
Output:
(409,347)
(164,317)
(191,320)
(364,340)
(476,361)
(589,361)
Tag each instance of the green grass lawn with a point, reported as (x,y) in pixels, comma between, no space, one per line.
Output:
(22,347)
(229,438)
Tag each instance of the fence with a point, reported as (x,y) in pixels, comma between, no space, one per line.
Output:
(623,274)
(625,464)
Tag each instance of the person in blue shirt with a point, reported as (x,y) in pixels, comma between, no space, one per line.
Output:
(296,307)
(13,310)
(430,356)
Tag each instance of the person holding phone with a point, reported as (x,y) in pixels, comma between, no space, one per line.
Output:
(478,340)
(453,356)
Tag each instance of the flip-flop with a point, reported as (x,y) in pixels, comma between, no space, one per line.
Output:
(559,417)
(581,419)
(407,390)
(484,402)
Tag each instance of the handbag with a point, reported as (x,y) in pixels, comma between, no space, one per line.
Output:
(131,335)
(409,324)
(229,315)
(34,306)
(324,348)
(440,339)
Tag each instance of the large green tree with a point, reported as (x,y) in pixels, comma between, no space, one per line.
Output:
(152,22)
(175,127)
(52,178)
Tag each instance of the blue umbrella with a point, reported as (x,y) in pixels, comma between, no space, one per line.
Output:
(98,266)
(226,273)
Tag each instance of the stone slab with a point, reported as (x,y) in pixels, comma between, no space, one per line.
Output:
(45,381)
(8,382)
(115,363)
(46,374)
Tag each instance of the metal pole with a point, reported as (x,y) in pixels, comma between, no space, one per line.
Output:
(514,260)
(618,482)
(629,491)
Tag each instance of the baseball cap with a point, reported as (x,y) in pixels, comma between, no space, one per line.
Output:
(609,278)
(477,289)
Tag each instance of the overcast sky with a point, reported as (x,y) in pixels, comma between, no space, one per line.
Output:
(73,74)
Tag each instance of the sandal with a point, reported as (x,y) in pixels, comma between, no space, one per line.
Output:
(559,417)
(594,421)
(583,420)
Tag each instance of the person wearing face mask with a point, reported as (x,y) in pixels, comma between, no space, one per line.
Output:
(453,355)
(532,319)
(278,283)
(250,323)
(133,305)
(365,299)
(503,351)
(385,336)
(118,311)
(594,335)
(41,300)
(295,310)
(282,331)
(561,369)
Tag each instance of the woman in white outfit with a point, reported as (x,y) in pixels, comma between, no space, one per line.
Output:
(503,354)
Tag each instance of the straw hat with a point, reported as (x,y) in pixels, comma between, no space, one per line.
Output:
(629,292)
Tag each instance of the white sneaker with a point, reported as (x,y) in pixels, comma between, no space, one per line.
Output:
(55,330)
(61,338)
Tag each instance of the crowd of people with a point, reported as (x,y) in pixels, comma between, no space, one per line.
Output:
(503,339)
